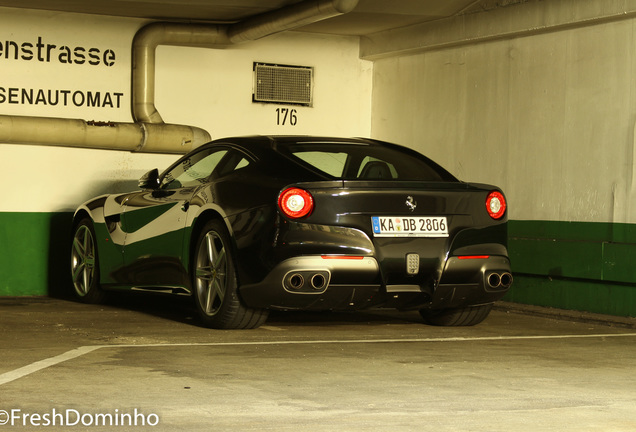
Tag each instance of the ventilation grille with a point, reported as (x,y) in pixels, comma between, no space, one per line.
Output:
(283,84)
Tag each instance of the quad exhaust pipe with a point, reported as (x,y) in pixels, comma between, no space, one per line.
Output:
(318,282)
(306,281)
(295,281)
(499,280)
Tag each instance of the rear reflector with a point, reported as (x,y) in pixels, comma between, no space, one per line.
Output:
(412,264)
(473,257)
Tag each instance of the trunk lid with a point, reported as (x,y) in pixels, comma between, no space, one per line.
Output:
(361,204)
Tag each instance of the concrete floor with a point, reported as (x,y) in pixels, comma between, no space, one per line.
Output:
(144,359)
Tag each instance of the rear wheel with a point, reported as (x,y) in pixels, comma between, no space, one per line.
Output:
(85,264)
(215,283)
(467,316)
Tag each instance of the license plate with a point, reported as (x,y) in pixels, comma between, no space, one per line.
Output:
(400,226)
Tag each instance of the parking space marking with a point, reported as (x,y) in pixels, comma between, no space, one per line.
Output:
(78,352)
(43,364)
(272,328)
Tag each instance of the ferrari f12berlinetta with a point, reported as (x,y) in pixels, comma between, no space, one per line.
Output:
(250,224)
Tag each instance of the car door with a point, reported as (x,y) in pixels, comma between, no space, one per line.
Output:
(154,222)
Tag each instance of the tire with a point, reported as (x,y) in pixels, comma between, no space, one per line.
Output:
(215,285)
(85,264)
(468,316)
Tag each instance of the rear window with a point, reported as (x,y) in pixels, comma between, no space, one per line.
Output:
(329,162)
(360,161)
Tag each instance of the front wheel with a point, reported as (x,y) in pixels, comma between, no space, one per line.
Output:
(215,283)
(468,316)
(85,264)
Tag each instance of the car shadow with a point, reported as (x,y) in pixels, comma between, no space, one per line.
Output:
(59,253)
(170,307)
(337,318)
(180,309)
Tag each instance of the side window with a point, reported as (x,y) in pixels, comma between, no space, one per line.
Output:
(234,161)
(242,164)
(194,170)
(376,169)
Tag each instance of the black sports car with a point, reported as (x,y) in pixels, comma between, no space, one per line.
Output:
(249,224)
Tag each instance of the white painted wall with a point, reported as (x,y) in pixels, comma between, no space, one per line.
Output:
(213,88)
(548,117)
(200,87)
(69,30)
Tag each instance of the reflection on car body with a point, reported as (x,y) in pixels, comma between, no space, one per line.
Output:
(249,224)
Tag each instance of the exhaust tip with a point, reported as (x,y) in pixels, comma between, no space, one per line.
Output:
(506,279)
(494,280)
(295,281)
(318,281)
(306,281)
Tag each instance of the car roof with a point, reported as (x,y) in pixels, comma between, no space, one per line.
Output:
(272,140)
(273,150)
(260,144)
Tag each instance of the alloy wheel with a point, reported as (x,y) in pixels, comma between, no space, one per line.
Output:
(83,260)
(211,273)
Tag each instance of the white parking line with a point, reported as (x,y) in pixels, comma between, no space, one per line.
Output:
(78,352)
(43,364)
(272,328)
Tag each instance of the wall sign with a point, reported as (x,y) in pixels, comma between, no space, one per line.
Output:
(78,98)
(286,116)
(48,52)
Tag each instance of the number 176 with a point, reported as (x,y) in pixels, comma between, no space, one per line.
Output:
(285,116)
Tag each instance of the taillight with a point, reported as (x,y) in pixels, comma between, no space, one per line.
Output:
(295,202)
(496,205)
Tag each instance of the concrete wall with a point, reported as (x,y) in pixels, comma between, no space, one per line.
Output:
(208,88)
(546,110)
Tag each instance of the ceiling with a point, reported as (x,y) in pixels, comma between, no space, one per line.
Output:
(369,16)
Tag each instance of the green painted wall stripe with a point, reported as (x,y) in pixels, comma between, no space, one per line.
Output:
(581,295)
(571,265)
(34,251)
(594,251)
(573,231)
(574,265)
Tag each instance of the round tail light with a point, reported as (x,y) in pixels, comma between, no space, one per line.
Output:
(295,202)
(496,205)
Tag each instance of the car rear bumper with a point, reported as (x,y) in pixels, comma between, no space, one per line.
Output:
(355,282)
(316,282)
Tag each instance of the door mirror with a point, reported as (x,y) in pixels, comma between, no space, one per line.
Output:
(150,180)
